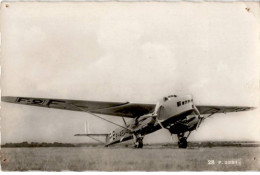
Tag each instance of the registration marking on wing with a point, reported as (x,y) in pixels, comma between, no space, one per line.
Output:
(24,100)
(33,101)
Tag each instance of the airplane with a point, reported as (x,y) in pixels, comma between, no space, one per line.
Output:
(177,114)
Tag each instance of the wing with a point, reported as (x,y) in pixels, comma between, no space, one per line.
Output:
(221,109)
(123,109)
(211,110)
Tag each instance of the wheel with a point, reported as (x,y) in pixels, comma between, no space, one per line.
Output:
(182,143)
(139,144)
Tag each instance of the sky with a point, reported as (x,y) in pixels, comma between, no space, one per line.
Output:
(137,52)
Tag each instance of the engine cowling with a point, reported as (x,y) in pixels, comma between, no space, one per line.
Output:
(173,106)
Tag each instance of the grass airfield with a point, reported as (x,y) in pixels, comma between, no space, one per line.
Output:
(150,158)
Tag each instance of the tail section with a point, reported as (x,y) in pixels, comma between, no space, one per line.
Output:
(93,136)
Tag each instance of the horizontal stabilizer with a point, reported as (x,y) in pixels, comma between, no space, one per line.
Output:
(91,135)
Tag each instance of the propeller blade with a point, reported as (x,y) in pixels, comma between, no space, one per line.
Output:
(200,117)
(198,124)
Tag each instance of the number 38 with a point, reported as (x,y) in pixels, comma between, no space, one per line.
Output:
(211,162)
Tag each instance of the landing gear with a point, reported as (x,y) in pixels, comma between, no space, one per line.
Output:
(139,144)
(183,143)
(182,137)
(138,141)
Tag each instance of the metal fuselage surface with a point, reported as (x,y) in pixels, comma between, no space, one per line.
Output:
(173,113)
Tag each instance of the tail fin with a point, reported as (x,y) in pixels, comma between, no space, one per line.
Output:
(86,127)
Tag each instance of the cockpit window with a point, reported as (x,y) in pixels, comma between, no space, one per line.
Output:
(165,98)
(179,103)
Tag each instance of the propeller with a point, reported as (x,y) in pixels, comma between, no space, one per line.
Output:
(157,107)
(157,110)
(200,117)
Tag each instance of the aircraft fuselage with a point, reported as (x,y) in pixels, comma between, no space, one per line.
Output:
(173,113)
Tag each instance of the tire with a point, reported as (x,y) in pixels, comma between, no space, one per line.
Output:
(139,144)
(183,143)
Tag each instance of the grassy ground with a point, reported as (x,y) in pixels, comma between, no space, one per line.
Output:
(128,159)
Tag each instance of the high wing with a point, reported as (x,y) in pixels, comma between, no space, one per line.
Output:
(211,110)
(122,109)
(221,109)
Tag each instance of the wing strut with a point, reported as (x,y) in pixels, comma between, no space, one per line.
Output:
(82,109)
(124,121)
(201,118)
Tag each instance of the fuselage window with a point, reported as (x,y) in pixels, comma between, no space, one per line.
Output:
(178,103)
(188,101)
(183,103)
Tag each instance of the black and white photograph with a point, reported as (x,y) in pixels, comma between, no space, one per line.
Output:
(130,86)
